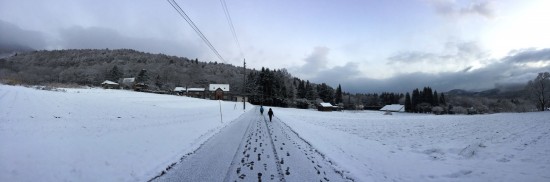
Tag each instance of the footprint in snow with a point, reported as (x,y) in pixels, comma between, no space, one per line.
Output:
(287,171)
(242,176)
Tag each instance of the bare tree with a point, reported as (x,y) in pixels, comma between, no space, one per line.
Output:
(540,90)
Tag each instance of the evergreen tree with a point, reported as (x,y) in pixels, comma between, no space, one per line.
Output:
(408,104)
(142,77)
(338,96)
(427,95)
(415,100)
(115,74)
(435,100)
(158,82)
(301,90)
(310,92)
(442,100)
(326,93)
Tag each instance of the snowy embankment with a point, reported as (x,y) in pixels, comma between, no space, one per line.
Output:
(101,135)
(417,147)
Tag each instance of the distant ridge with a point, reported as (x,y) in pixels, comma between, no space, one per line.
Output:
(7,49)
(491,93)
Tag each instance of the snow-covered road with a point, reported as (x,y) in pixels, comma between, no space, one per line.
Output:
(254,149)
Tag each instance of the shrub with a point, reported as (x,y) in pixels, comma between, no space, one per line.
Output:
(459,110)
(437,110)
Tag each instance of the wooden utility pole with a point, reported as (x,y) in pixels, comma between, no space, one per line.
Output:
(244,84)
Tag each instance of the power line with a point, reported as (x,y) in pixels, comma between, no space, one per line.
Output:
(230,21)
(197,30)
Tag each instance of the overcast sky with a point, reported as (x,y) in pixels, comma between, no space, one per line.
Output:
(365,45)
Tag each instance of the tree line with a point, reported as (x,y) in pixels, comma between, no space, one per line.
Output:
(535,96)
(280,88)
(266,86)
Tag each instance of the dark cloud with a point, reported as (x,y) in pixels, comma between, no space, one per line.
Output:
(346,72)
(478,8)
(12,35)
(503,74)
(451,8)
(529,55)
(78,37)
(443,7)
(412,57)
(101,38)
(491,76)
(315,62)
(454,53)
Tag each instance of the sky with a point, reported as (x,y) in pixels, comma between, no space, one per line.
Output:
(364,45)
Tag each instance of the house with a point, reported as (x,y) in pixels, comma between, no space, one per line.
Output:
(394,108)
(219,91)
(141,87)
(325,106)
(107,84)
(180,91)
(196,92)
(128,83)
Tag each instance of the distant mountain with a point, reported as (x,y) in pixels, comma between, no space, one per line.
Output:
(460,92)
(7,49)
(491,93)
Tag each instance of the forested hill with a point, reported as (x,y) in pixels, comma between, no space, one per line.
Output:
(92,66)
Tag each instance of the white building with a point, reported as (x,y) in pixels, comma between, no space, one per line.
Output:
(214,87)
(394,108)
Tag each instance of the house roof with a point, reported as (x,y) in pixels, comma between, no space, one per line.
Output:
(195,89)
(325,104)
(179,89)
(394,107)
(214,87)
(128,80)
(109,82)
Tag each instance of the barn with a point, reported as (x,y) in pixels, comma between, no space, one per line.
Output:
(180,91)
(196,92)
(128,83)
(325,106)
(219,91)
(107,84)
(394,108)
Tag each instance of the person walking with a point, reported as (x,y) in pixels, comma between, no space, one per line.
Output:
(270,113)
(262,110)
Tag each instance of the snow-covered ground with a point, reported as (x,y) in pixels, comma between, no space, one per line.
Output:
(101,135)
(117,135)
(415,147)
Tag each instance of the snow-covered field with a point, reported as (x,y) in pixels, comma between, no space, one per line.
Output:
(101,135)
(116,135)
(414,147)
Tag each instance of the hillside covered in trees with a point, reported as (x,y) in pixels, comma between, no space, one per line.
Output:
(160,72)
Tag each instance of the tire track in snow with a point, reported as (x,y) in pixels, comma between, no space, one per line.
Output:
(301,158)
(279,170)
(11,102)
(236,153)
(256,159)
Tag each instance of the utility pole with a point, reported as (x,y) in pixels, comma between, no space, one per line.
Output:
(244,84)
